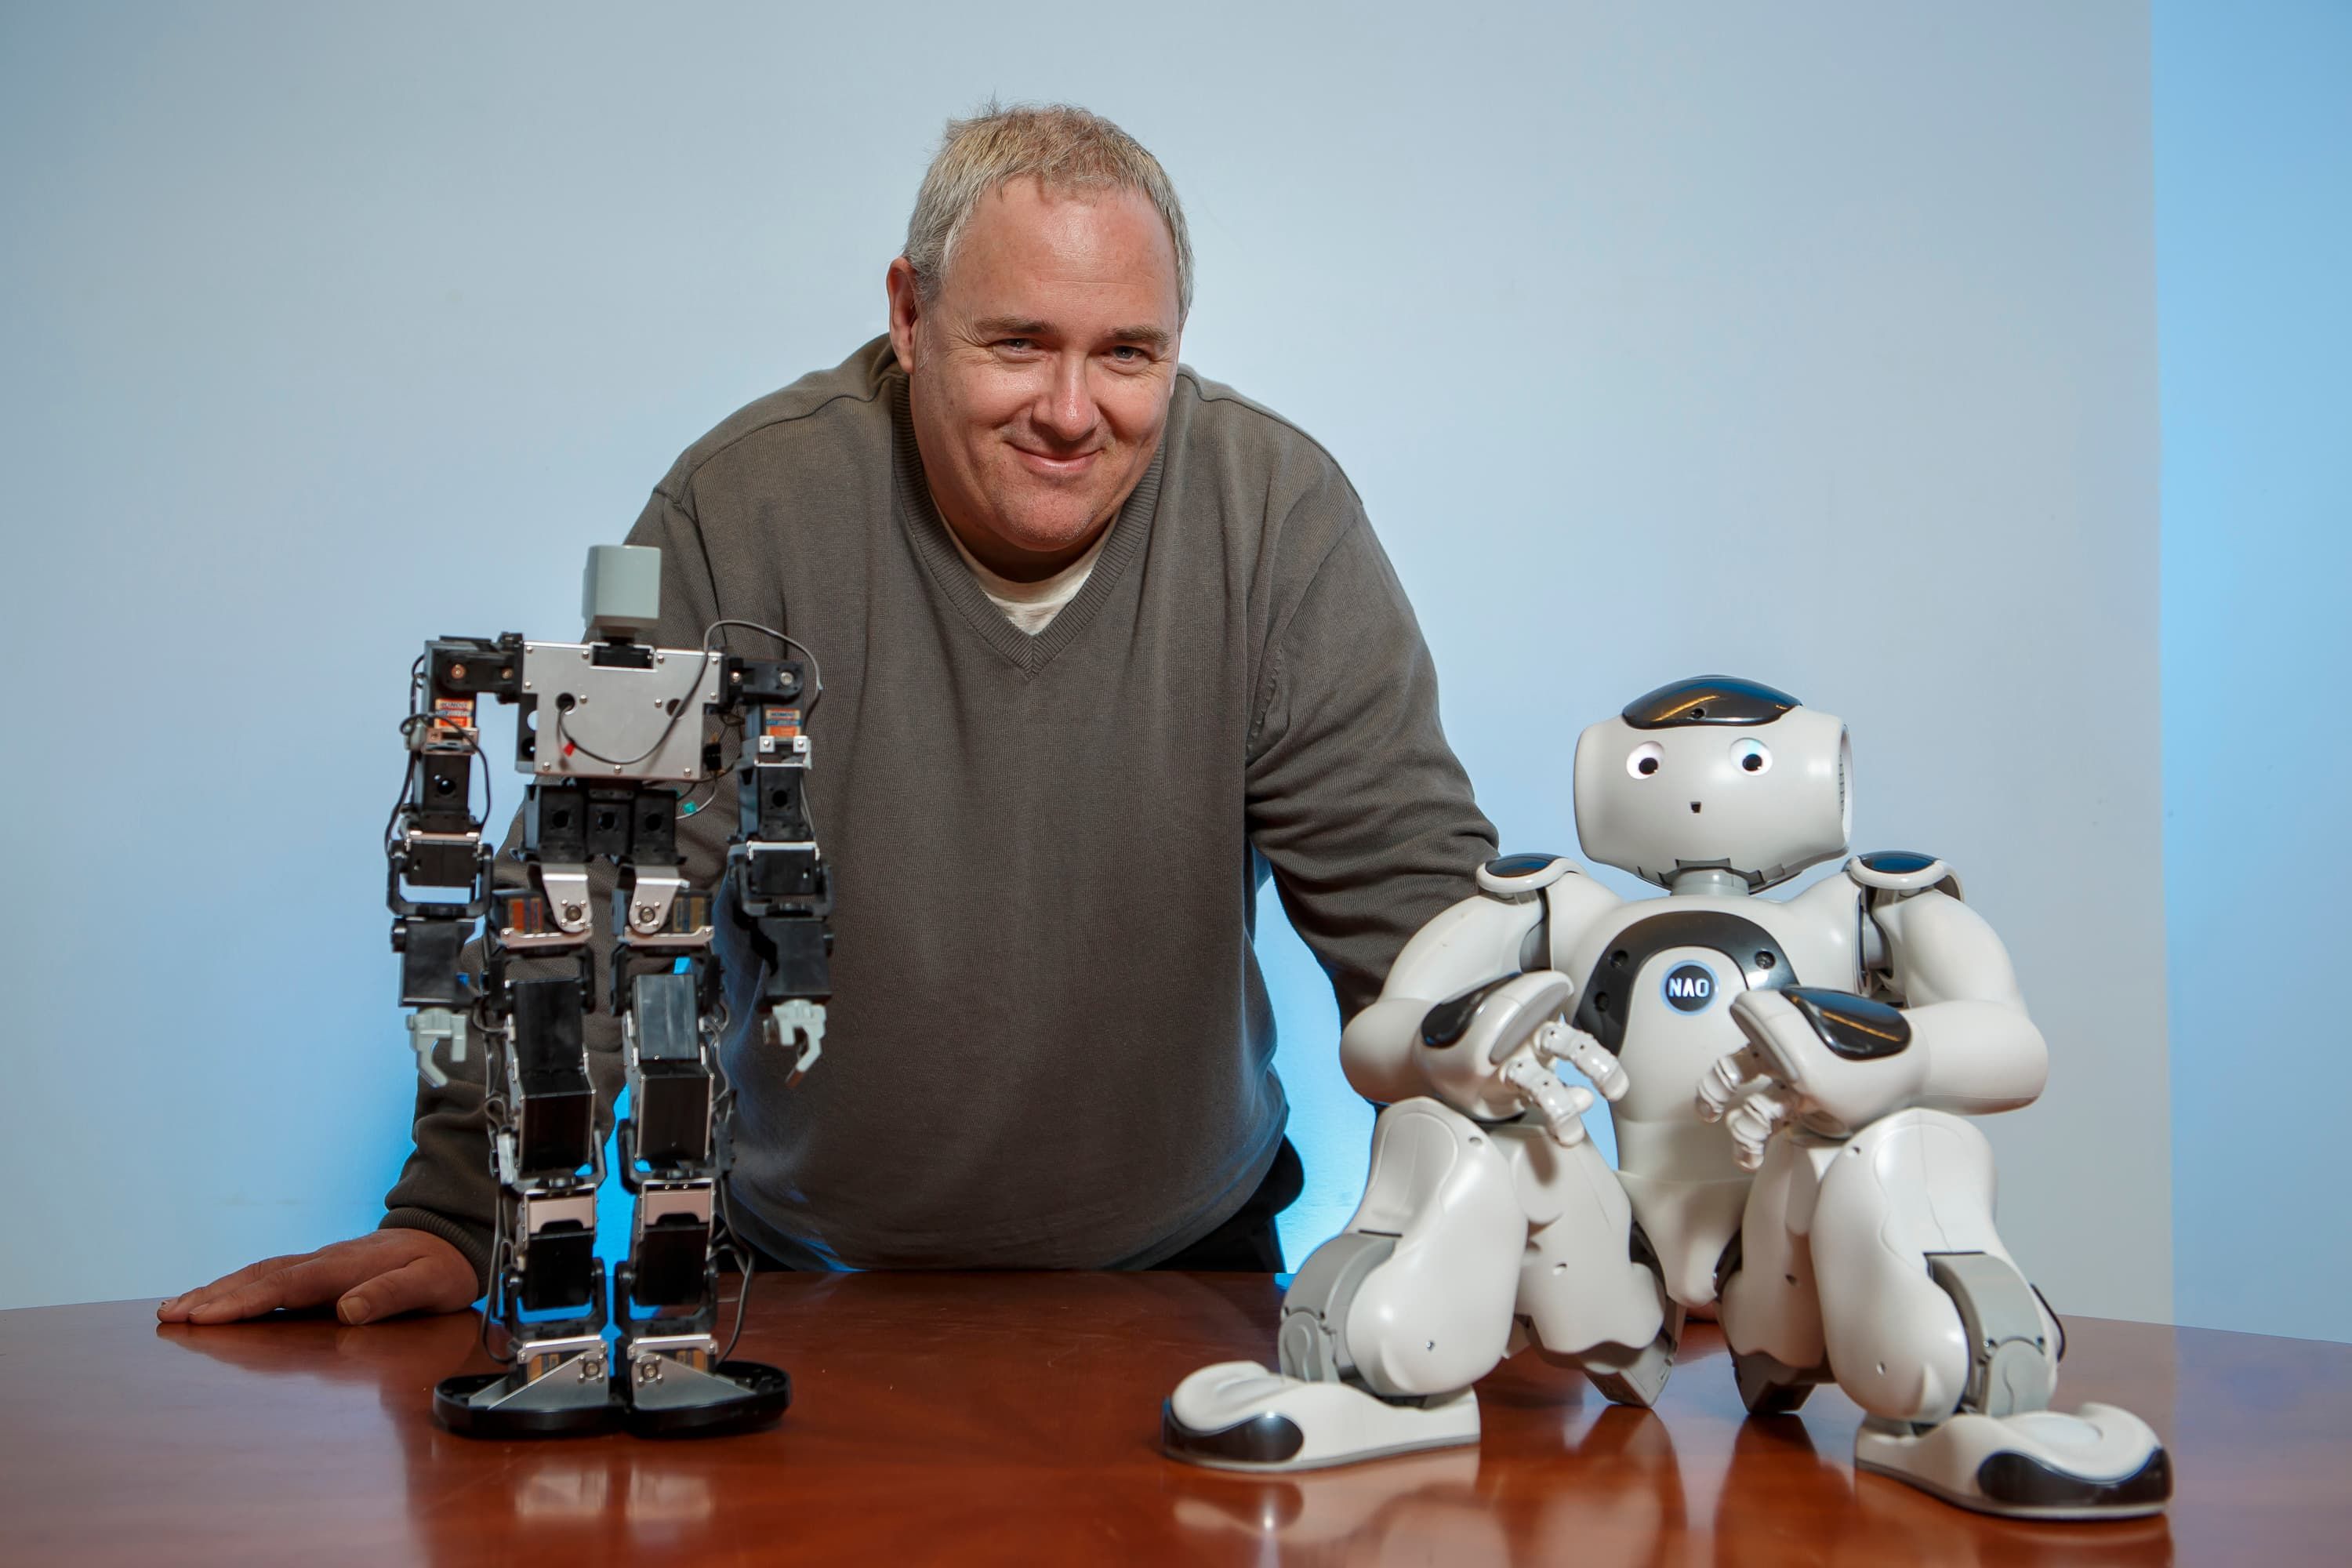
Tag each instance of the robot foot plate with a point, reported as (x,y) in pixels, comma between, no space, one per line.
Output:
(1237,1415)
(735,1396)
(2099,1463)
(501,1407)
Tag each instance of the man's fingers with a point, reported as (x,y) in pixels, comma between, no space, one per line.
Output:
(176,1309)
(250,1300)
(442,1280)
(424,1285)
(304,1282)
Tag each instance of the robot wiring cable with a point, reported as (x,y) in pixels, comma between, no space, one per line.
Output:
(817,691)
(408,769)
(678,707)
(495,1119)
(691,807)
(816,671)
(744,1265)
(416,715)
(723,1115)
(723,1104)
(498,1250)
(473,749)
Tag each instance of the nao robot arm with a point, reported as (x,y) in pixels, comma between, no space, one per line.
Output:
(1473,1014)
(1945,1028)
(615,732)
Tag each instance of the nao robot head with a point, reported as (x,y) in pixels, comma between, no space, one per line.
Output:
(1714,772)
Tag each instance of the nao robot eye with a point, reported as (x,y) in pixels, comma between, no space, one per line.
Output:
(1645,760)
(1752,756)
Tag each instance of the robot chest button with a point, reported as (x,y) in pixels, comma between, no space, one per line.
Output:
(1689,988)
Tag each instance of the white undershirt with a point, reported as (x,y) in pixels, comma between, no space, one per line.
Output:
(1032,606)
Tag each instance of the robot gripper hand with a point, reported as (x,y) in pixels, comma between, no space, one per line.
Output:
(1830,1057)
(1561,1105)
(1490,1053)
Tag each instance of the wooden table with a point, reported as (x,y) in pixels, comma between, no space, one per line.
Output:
(1014,1418)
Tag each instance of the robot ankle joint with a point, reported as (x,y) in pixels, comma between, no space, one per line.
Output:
(1313,1342)
(2012,1365)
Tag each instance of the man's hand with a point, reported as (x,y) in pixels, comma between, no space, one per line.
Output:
(370,1276)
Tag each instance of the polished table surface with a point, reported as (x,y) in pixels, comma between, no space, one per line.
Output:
(1015,1417)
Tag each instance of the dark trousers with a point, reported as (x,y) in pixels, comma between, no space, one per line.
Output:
(1245,1243)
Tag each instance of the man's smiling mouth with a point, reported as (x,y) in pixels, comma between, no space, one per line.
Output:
(1055,467)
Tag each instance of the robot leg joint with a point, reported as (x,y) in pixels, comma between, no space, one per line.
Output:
(1312,1340)
(2012,1365)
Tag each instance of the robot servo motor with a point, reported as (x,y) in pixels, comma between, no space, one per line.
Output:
(614,735)
(1790,1081)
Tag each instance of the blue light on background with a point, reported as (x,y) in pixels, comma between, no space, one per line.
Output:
(2254,206)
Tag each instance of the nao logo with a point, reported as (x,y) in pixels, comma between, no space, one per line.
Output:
(1690,987)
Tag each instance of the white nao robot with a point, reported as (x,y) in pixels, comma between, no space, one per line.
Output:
(1843,1224)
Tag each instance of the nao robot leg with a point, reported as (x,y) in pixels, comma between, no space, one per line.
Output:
(1591,1292)
(1873,1261)
(1475,1238)
(1387,1324)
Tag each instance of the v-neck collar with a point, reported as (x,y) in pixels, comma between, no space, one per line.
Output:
(920,516)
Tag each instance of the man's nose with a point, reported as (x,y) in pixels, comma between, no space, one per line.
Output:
(1067,410)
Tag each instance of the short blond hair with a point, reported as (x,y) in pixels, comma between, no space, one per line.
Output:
(1064,149)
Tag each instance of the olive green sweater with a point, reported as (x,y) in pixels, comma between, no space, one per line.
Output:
(1049,1044)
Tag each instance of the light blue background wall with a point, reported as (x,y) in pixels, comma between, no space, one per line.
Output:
(2253,164)
(1815,342)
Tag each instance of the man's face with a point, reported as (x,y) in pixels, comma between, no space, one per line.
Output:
(1040,374)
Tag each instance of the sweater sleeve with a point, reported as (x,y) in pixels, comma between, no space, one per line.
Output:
(447,1187)
(1354,798)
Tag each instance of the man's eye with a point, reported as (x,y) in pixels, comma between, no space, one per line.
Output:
(1018,345)
(1126,353)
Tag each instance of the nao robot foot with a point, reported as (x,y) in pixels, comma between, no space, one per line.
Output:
(2099,1463)
(1238,1416)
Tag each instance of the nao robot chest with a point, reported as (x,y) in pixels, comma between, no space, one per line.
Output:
(1655,984)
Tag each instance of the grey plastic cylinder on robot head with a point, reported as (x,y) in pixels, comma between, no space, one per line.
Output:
(1716,773)
(620,593)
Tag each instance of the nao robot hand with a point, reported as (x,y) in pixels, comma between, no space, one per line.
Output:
(1813,1055)
(1489,1054)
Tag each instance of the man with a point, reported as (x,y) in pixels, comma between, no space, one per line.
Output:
(1103,642)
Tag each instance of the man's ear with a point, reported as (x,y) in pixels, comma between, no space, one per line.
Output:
(906,309)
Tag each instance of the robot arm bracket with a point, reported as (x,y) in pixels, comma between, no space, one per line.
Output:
(1892,874)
